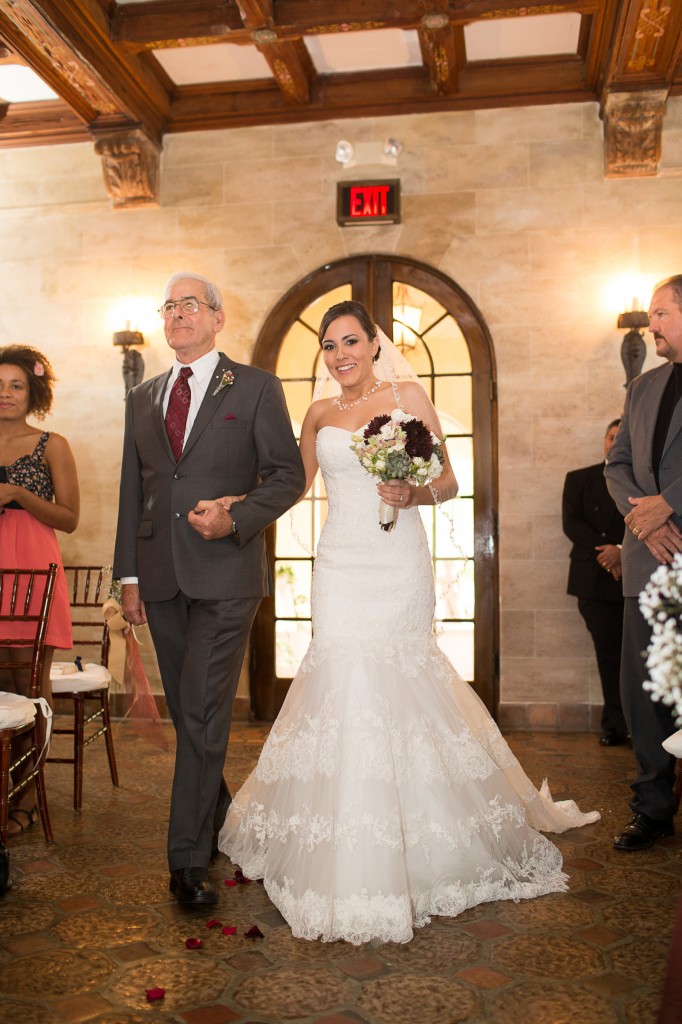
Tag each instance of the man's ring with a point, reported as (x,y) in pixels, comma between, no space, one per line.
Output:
(400,498)
(636,532)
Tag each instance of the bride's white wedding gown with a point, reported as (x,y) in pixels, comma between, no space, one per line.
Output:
(385,792)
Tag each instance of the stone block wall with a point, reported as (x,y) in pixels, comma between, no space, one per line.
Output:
(511,204)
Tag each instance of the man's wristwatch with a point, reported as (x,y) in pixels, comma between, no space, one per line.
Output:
(235,531)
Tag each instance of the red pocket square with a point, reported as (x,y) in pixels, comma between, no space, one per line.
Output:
(230,416)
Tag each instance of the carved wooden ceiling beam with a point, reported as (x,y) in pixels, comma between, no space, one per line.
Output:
(171,23)
(162,24)
(372,93)
(41,123)
(647,45)
(288,60)
(645,54)
(68,45)
(442,46)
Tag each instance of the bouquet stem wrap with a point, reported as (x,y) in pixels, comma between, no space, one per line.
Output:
(388,515)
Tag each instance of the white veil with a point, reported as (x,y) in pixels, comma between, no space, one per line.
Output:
(392,366)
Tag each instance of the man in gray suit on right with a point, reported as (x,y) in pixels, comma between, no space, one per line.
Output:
(644,476)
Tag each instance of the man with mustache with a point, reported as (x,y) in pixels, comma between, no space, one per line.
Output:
(644,476)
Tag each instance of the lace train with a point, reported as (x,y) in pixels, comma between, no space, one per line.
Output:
(381,799)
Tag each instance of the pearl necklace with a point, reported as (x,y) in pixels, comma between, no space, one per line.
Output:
(344,406)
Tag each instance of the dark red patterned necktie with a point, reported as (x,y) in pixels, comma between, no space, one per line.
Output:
(176,414)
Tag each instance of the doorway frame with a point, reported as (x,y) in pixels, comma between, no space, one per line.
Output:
(371,277)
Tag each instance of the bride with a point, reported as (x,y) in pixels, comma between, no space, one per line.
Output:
(385,792)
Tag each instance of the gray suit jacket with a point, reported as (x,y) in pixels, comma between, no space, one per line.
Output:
(240,443)
(629,472)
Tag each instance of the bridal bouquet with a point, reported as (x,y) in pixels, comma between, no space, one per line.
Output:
(398,447)
(661,605)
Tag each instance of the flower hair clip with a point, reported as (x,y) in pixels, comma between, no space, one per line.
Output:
(38,369)
(225,381)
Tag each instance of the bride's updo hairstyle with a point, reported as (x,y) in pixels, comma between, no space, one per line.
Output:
(349,307)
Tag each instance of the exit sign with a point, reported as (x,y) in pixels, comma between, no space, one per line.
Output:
(368,202)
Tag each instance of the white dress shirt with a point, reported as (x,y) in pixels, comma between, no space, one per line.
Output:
(202,374)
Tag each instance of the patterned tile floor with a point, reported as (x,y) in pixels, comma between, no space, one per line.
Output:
(89,926)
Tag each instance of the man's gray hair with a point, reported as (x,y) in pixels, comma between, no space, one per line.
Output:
(211,290)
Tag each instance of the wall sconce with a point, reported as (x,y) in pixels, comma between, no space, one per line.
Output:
(386,152)
(633,349)
(133,363)
(344,152)
(406,319)
(392,148)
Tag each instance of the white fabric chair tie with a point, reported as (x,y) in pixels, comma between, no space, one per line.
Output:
(17,711)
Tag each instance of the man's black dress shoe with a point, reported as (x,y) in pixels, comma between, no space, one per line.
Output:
(642,832)
(192,886)
(612,739)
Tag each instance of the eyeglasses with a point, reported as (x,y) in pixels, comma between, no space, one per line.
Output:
(189,305)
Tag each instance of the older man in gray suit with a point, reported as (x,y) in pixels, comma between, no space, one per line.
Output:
(644,475)
(196,572)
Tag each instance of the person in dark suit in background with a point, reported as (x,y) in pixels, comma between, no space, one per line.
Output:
(593,523)
(209,427)
(644,476)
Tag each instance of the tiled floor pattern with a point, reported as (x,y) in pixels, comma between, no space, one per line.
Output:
(89,926)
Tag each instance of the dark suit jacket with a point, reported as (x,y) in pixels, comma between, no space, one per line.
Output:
(240,443)
(629,472)
(590,517)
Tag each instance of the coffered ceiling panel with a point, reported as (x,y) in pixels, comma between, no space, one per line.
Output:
(215,62)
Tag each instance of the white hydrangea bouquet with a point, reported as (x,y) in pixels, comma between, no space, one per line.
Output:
(661,605)
(398,447)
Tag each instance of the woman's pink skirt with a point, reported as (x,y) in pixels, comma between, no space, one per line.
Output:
(27,544)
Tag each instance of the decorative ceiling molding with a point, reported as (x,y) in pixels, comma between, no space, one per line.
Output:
(130,164)
(97,56)
(633,127)
(639,75)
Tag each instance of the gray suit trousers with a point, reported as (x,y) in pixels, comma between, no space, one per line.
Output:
(200,647)
(649,722)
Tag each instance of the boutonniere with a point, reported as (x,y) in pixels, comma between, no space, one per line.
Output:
(225,381)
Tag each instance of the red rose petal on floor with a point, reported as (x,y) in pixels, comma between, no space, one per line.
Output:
(254,932)
(194,943)
(238,874)
(214,923)
(230,882)
(154,993)
(230,930)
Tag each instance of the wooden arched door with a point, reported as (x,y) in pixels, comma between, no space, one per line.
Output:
(442,333)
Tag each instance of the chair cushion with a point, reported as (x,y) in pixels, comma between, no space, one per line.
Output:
(16,711)
(66,678)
